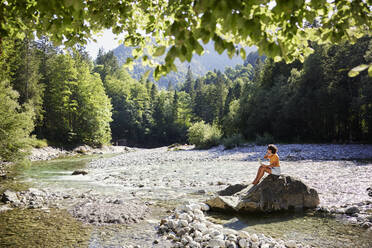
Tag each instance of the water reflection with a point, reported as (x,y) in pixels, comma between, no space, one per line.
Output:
(307,228)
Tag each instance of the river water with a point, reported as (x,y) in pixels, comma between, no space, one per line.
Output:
(164,184)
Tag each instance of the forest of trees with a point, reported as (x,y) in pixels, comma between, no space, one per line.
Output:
(67,99)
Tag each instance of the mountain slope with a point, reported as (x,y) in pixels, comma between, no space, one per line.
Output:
(199,65)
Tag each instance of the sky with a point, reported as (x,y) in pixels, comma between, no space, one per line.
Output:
(106,39)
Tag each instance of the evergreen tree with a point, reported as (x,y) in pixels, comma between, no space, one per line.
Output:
(16,121)
(189,83)
(60,100)
(106,64)
(26,77)
(94,107)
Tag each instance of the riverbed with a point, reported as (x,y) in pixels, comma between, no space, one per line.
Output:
(164,178)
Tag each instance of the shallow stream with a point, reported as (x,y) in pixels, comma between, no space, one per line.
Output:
(32,228)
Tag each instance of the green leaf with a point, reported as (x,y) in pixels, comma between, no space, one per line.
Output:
(243,54)
(156,73)
(356,70)
(219,45)
(199,49)
(159,51)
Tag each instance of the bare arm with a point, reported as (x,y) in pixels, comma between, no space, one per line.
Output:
(267,157)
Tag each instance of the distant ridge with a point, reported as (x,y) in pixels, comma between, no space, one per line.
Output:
(199,65)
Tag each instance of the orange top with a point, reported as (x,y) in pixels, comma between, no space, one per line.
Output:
(274,160)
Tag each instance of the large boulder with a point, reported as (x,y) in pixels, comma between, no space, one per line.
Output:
(274,193)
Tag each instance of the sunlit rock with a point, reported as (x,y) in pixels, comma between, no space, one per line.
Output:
(274,193)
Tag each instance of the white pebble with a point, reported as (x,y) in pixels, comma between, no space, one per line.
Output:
(229,231)
(265,246)
(243,243)
(244,234)
(255,244)
(195,207)
(201,227)
(183,216)
(198,212)
(188,238)
(198,234)
(184,241)
(216,243)
(206,237)
(184,223)
(230,244)
(194,244)
(254,238)
(291,244)
(215,233)
(172,236)
(204,207)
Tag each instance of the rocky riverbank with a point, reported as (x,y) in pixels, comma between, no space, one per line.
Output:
(48,153)
(87,207)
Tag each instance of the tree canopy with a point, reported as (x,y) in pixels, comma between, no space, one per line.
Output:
(174,28)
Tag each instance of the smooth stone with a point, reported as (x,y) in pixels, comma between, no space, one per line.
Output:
(254,238)
(198,212)
(367,225)
(291,244)
(188,238)
(194,244)
(255,244)
(204,207)
(244,234)
(230,244)
(243,243)
(369,218)
(206,237)
(181,232)
(198,234)
(184,223)
(215,233)
(352,210)
(172,236)
(221,237)
(229,231)
(184,241)
(201,227)
(217,243)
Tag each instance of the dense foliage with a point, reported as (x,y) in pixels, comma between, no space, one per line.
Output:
(70,100)
(77,110)
(51,95)
(203,135)
(281,29)
(16,113)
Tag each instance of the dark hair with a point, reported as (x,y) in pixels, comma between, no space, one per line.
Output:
(272,148)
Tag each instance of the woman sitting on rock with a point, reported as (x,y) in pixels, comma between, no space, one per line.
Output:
(273,168)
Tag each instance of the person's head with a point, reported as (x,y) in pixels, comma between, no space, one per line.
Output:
(272,149)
